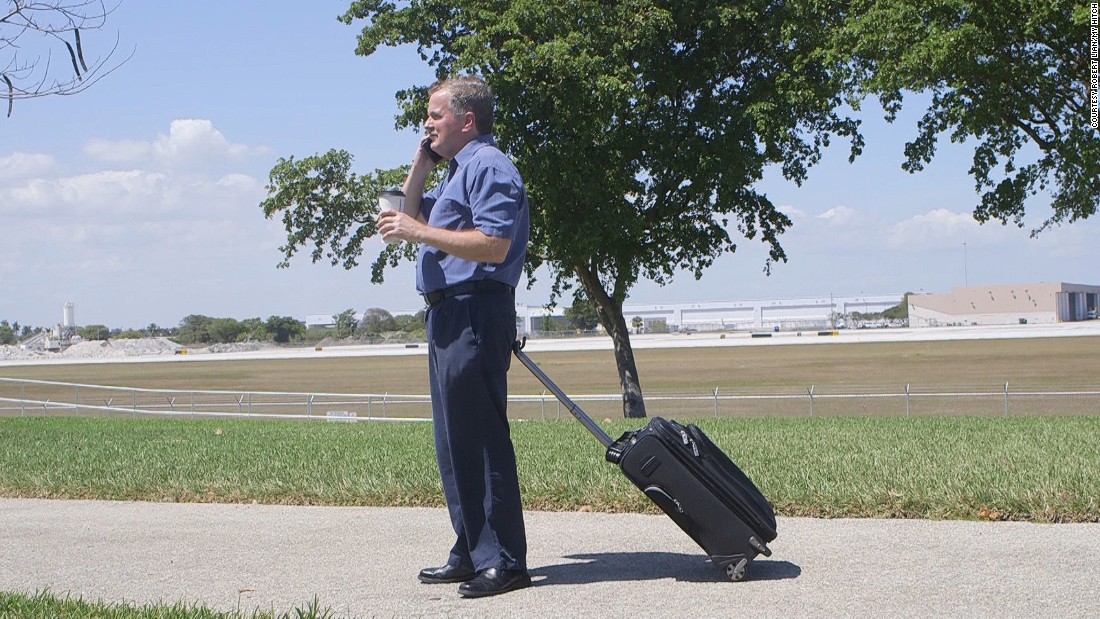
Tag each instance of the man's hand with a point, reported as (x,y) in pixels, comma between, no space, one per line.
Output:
(395,226)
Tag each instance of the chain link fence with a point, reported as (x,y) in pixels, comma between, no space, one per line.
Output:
(21,398)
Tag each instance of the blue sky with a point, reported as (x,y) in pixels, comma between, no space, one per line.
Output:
(137,200)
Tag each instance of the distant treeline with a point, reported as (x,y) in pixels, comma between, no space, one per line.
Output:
(199,329)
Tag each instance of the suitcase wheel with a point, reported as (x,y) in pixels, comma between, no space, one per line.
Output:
(736,571)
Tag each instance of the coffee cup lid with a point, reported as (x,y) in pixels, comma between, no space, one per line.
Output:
(393,192)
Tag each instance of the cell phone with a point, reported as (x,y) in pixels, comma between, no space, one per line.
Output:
(426,144)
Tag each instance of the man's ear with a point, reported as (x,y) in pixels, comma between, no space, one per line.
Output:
(469,122)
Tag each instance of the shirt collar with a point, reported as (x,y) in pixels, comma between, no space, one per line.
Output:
(474,145)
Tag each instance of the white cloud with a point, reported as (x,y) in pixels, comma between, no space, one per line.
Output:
(935,229)
(118,151)
(109,193)
(839,216)
(196,141)
(24,165)
(794,213)
(240,183)
(189,143)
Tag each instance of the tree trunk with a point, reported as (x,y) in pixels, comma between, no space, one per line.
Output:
(610,312)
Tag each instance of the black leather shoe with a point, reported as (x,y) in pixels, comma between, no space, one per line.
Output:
(494,581)
(446,574)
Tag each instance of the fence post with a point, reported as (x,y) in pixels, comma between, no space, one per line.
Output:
(192,405)
(78,400)
(542,404)
(716,402)
(811,391)
(906,399)
(22,399)
(1006,398)
(309,406)
(133,412)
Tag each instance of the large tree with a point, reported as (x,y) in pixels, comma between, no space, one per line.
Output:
(640,128)
(32,32)
(1012,76)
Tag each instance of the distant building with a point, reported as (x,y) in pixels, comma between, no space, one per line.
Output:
(786,314)
(1043,303)
(762,314)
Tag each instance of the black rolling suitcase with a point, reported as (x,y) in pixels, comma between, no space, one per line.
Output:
(688,477)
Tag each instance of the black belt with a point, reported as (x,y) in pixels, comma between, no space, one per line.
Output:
(479,285)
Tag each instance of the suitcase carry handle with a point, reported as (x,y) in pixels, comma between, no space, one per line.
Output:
(586,421)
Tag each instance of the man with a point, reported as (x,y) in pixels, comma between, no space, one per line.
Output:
(473,231)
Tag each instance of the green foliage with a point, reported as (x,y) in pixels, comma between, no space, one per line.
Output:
(198,329)
(346,323)
(640,129)
(326,205)
(899,311)
(376,321)
(194,329)
(7,333)
(225,330)
(582,314)
(551,324)
(410,324)
(317,334)
(283,329)
(94,332)
(1009,75)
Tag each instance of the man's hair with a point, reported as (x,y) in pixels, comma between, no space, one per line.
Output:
(469,94)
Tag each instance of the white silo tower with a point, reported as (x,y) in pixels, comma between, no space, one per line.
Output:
(67,316)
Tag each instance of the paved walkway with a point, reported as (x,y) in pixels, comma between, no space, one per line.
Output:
(362,562)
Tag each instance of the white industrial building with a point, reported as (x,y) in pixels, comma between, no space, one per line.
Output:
(1043,303)
(756,315)
(786,314)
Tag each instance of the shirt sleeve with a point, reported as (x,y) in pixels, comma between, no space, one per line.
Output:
(495,198)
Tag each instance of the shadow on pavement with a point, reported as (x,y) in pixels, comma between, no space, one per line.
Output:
(635,566)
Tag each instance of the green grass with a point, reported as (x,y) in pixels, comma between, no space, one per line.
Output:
(1042,469)
(45,605)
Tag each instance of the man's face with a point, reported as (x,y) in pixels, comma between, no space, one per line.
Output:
(449,132)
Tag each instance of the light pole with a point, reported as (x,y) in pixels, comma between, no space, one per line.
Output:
(966,279)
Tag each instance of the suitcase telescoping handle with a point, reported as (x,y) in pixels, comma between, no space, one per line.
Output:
(586,421)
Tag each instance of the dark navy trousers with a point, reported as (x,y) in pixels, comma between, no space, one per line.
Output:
(469,350)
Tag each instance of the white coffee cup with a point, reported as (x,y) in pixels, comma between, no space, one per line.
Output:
(392,200)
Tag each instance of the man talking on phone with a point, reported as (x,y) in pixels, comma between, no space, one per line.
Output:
(473,230)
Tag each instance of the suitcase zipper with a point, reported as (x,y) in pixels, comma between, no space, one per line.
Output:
(688,441)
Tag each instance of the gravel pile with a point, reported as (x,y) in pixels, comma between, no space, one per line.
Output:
(108,349)
(103,349)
